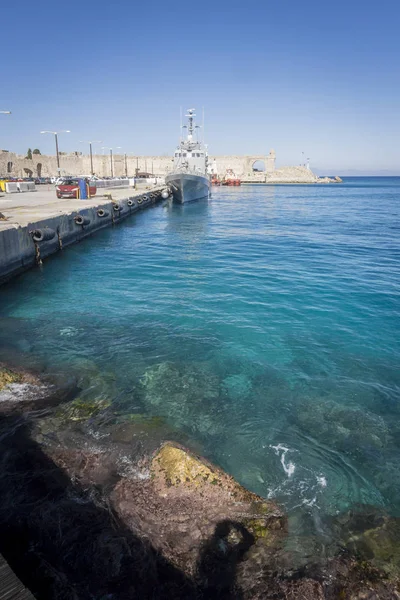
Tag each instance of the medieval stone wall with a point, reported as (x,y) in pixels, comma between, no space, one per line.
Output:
(15,165)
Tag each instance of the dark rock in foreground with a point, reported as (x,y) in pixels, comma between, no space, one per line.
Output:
(184,502)
(109,517)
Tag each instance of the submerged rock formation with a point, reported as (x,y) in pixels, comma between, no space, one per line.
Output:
(186,395)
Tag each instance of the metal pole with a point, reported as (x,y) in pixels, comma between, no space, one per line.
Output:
(111,163)
(126,167)
(58,157)
(91,158)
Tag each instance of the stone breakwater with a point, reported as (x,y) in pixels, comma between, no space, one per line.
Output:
(290,175)
(37,225)
(93,506)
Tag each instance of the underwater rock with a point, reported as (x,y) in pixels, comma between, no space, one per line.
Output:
(386,476)
(181,505)
(375,538)
(353,431)
(82,410)
(150,431)
(166,380)
(94,382)
(237,386)
(186,395)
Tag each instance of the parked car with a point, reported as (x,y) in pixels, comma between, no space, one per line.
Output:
(69,188)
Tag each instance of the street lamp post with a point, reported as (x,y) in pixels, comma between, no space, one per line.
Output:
(55,133)
(111,159)
(118,148)
(111,163)
(90,149)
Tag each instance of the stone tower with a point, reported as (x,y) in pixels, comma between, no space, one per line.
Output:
(270,162)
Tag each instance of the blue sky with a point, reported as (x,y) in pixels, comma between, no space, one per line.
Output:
(318,77)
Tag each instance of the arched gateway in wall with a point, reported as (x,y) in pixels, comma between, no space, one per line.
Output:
(269,162)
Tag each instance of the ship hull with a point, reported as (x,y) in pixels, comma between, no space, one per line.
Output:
(186,187)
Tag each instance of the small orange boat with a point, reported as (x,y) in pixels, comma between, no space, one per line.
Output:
(230,178)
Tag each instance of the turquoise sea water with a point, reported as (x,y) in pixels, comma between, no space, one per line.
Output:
(262,324)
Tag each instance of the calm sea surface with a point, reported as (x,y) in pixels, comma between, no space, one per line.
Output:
(262,324)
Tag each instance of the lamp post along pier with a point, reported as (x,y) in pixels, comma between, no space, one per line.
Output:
(55,133)
(57,153)
(91,152)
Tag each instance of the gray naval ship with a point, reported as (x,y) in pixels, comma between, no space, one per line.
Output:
(189,179)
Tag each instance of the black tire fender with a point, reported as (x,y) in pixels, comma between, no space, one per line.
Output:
(81,220)
(43,235)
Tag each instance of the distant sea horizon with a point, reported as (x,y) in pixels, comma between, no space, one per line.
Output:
(352,173)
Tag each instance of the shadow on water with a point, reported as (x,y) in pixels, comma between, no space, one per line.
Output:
(65,542)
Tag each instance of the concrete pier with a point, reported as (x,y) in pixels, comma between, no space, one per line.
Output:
(36,224)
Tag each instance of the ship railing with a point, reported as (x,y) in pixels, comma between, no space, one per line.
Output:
(188,170)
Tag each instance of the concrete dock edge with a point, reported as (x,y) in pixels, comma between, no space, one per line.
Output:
(26,245)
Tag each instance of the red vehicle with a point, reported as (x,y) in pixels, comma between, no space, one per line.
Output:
(69,188)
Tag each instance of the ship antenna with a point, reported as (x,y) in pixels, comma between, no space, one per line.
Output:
(180,125)
(204,139)
(190,116)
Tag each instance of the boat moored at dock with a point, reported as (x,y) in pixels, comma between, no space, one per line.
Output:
(189,179)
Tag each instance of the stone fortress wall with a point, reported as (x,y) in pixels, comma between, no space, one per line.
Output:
(76,163)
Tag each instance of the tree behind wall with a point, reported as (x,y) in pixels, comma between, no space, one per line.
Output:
(29,154)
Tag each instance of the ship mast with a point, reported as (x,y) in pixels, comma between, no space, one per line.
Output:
(190,117)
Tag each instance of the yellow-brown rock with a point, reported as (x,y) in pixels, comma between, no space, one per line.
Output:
(188,502)
(7,376)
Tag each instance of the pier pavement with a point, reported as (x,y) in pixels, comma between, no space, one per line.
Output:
(30,207)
